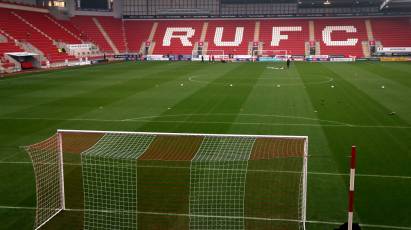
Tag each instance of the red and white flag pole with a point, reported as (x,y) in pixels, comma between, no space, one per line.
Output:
(351,192)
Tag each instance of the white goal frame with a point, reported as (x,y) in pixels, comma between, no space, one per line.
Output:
(194,54)
(257,52)
(60,132)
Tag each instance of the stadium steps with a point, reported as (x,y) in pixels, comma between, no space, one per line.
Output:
(64,28)
(317,48)
(3,38)
(366,48)
(151,48)
(105,35)
(114,29)
(137,33)
(257,31)
(307,48)
(153,31)
(202,37)
(250,48)
(204,32)
(205,47)
(368,27)
(123,31)
(52,30)
(151,38)
(311,30)
(31,25)
(7,45)
(36,39)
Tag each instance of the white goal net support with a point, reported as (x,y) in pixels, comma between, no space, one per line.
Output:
(208,55)
(135,180)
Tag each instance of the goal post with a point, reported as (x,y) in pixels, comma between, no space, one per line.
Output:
(208,181)
(208,55)
(271,55)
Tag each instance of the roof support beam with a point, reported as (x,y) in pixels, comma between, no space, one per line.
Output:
(383,4)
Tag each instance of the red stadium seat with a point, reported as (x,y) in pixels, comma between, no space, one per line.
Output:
(341,36)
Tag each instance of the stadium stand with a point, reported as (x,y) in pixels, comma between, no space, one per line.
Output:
(392,32)
(8,46)
(294,41)
(177,36)
(234,36)
(114,29)
(137,32)
(44,24)
(90,29)
(340,36)
(23,30)
(226,35)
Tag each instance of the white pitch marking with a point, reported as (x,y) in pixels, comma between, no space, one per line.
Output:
(249,170)
(147,119)
(213,216)
(322,82)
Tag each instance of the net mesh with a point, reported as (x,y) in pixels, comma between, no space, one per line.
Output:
(270,53)
(110,181)
(47,169)
(173,181)
(217,185)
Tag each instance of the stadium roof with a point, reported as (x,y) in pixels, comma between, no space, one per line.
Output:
(346,3)
(385,5)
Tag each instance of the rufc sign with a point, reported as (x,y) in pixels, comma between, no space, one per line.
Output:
(184,36)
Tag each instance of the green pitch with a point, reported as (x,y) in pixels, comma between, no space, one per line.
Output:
(335,104)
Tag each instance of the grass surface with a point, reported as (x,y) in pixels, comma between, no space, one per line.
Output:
(196,97)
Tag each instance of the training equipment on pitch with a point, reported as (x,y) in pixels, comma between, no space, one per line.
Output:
(128,180)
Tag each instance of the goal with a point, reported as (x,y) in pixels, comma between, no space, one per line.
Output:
(208,55)
(271,55)
(131,180)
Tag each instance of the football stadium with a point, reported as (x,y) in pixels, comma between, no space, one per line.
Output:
(205,114)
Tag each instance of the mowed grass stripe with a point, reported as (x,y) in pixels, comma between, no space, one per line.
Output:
(398,72)
(95,97)
(217,96)
(398,138)
(379,150)
(80,104)
(18,86)
(65,84)
(379,153)
(381,86)
(152,103)
(345,100)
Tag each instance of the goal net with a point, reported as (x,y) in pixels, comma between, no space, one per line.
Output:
(271,55)
(134,180)
(208,55)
